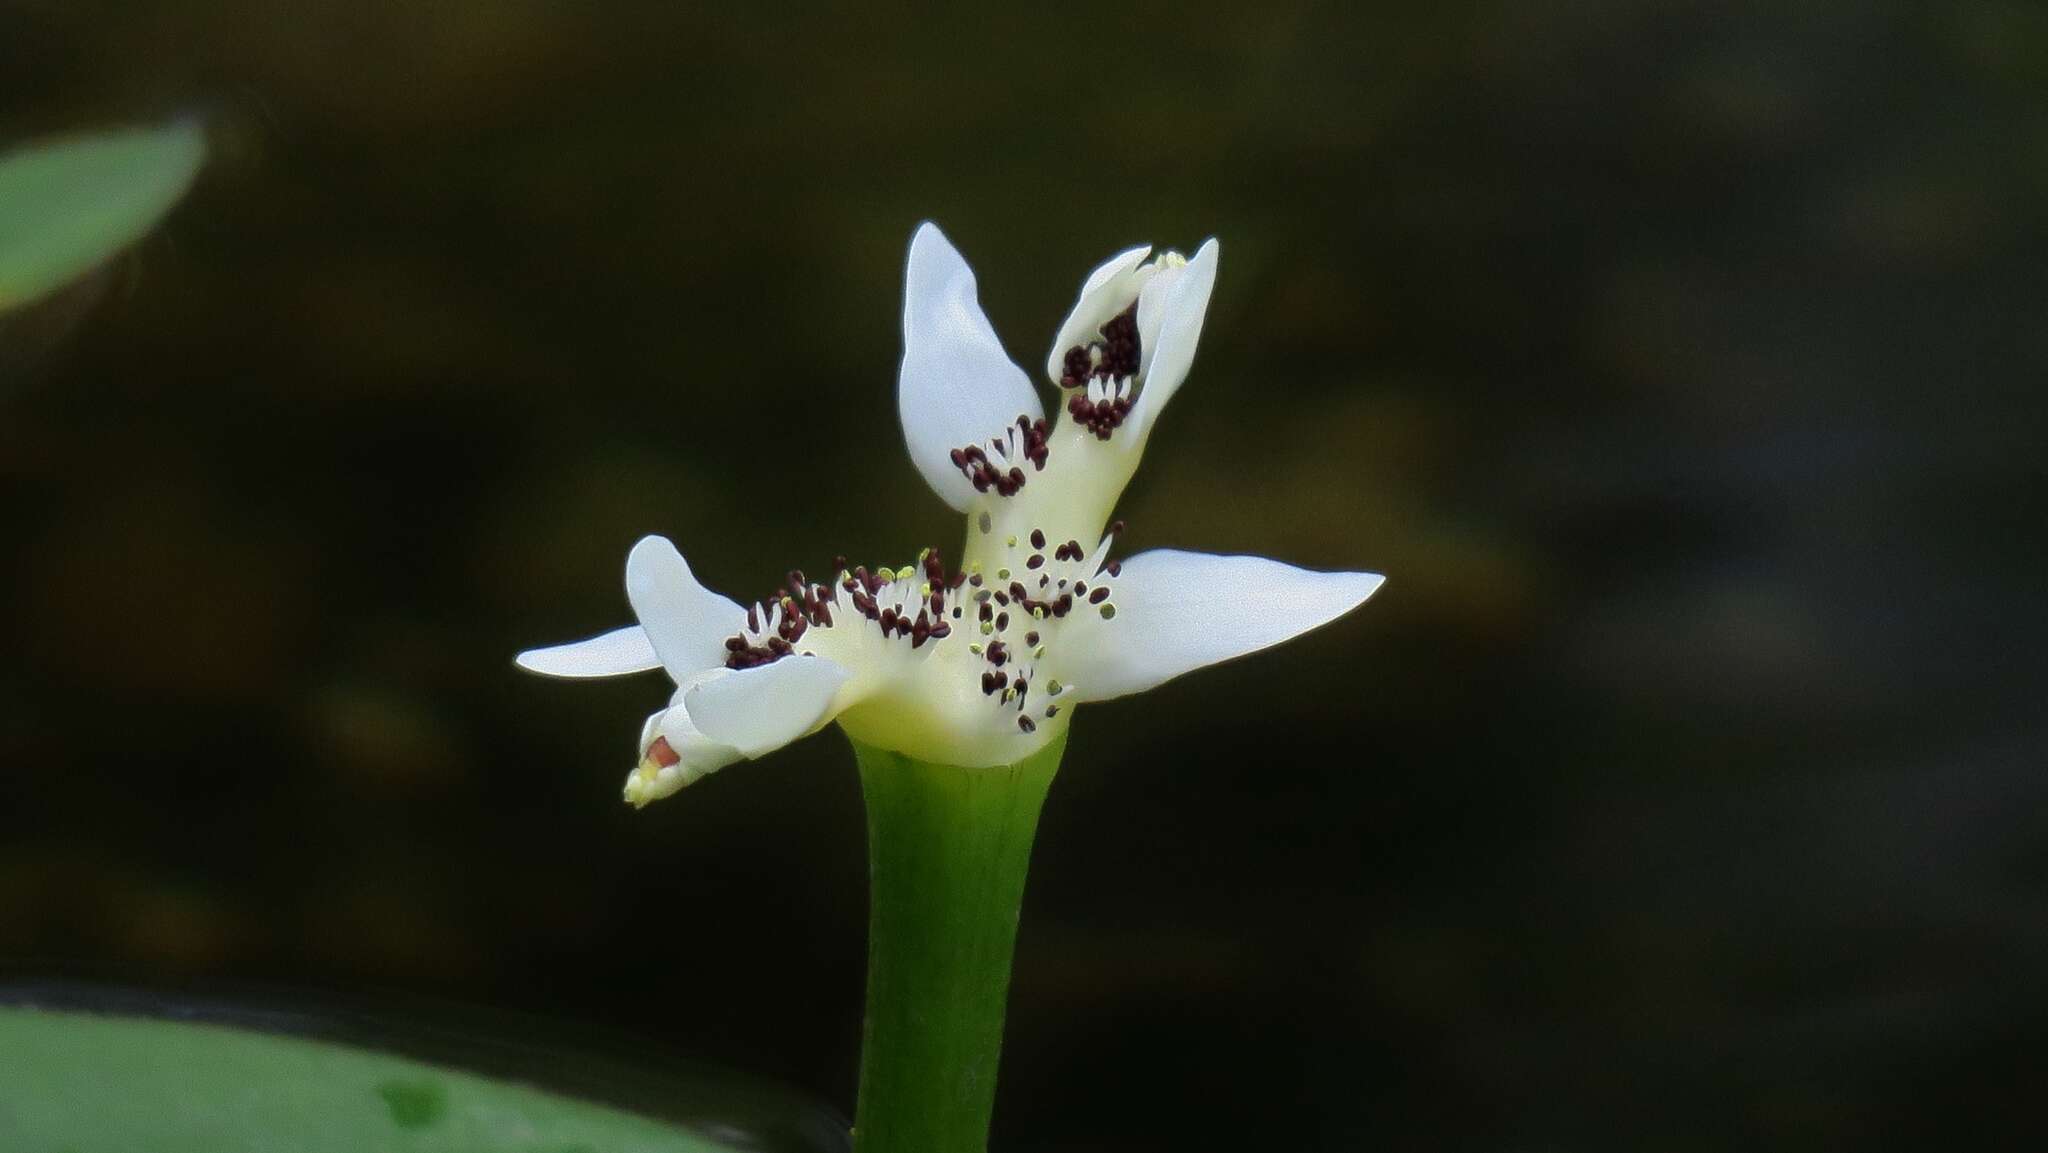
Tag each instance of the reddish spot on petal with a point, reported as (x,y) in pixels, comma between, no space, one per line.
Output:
(661,754)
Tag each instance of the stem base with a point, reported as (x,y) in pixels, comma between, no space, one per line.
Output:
(948,850)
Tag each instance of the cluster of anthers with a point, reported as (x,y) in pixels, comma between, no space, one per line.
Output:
(883,598)
(1101,373)
(1010,613)
(994,463)
(1018,612)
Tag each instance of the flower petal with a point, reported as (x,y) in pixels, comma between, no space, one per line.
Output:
(761,709)
(611,654)
(1178,611)
(1170,311)
(1108,290)
(956,386)
(674,724)
(686,622)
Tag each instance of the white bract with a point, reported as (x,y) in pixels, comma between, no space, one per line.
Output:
(979,665)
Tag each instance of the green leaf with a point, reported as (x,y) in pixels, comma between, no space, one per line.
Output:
(81,1083)
(69,203)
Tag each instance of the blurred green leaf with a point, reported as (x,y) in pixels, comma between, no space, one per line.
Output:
(69,203)
(80,1083)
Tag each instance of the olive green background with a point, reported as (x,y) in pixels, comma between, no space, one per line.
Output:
(1680,363)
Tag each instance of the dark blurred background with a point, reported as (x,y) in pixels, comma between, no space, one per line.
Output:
(1681,364)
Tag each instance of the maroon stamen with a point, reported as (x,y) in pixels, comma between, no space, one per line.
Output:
(973,461)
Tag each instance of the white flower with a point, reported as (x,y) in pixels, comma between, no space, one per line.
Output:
(979,665)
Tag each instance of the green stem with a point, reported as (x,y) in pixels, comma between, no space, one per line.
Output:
(948,849)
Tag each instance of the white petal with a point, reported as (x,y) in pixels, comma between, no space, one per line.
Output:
(1178,611)
(686,622)
(1170,315)
(1108,290)
(696,755)
(613,654)
(764,708)
(956,386)
(675,725)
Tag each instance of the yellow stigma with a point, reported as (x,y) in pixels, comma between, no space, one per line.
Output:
(640,783)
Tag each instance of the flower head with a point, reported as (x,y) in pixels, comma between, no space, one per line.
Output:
(979,664)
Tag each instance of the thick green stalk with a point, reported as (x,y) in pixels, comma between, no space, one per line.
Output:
(948,849)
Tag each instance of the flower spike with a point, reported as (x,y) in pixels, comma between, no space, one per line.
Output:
(980,665)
